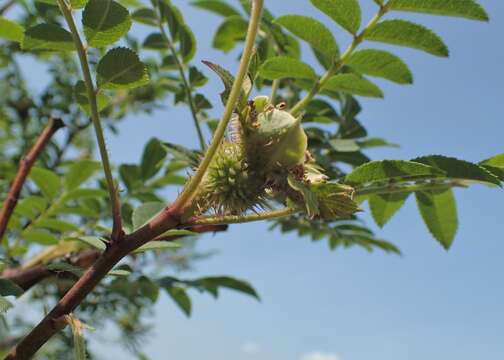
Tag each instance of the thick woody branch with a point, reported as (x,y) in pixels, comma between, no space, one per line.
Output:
(28,277)
(23,172)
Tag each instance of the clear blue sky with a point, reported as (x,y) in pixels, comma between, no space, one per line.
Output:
(428,304)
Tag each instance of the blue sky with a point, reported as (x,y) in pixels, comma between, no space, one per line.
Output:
(349,304)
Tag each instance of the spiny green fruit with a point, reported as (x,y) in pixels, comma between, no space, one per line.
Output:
(230,185)
(278,136)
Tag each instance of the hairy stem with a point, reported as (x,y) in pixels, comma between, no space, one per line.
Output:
(239,219)
(192,187)
(95,117)
(187,86)
(339,63)
(23,172)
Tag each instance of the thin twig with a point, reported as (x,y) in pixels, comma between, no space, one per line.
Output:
(187,86)
(23,171)
(117,231)
(338,64)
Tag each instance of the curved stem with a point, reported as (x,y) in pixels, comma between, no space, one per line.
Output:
(338,64)
(192,187)
(240,219)
(95,117)
(187,87)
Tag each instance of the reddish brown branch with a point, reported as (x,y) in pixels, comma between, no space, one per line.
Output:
(24,170)
(49,326)
(28,277)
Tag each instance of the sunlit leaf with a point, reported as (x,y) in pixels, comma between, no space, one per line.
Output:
(346,13)
(105,22)
(121,68)
(439,212)
(409,34)
(312,31)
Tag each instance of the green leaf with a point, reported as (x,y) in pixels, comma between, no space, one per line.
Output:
(9,288)
(335,200)
(31,206)
(468,9)
(66,267)
(79,172)
(84,194)
(496,161)
(384,207)
(81,96)
(105,22)
(391,170)
(4,305)
(346,13)
(228,80)
(218,7)
(10,30)
(57,225)
(459,169)
(47,181)
(121,68)
(39,237)
(495,165)
(281,67)
(152,159)
(196,77)
(145,212)
(119,272)
(310,199)
(187,43)
(93,241)
(228,283)
(232,30)
(145,16)
(312,31)
(154,41)
(382,64)
(439,212)
(130,176)
(409,34)
(48,37)
(157,245)
(76,4)
(353,84)
(179,295)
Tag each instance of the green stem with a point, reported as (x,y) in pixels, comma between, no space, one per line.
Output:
(338,64)
(95,117)
(274,90)
(239,219)
(192,187)
(187,87)
(397,189)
